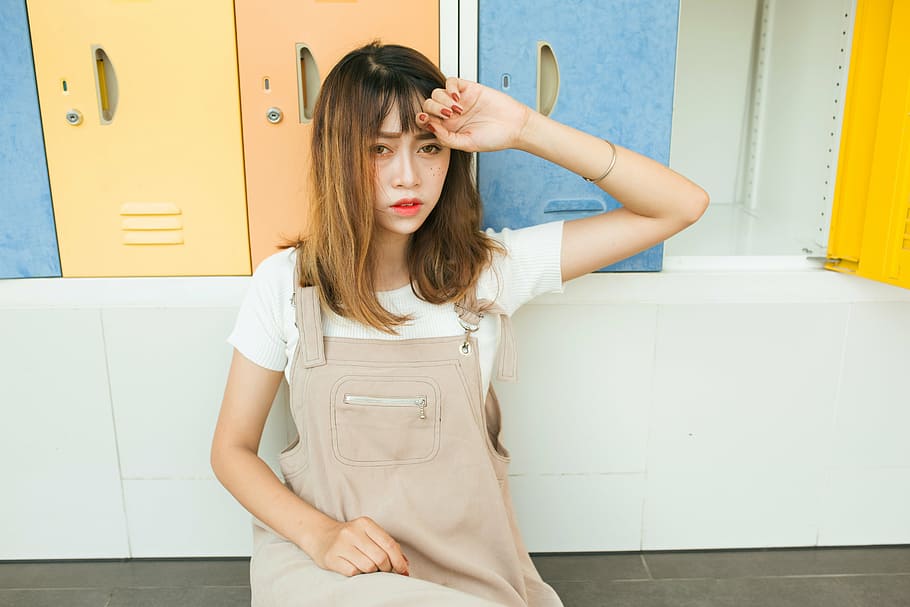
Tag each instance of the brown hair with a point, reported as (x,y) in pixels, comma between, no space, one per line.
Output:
(445,255)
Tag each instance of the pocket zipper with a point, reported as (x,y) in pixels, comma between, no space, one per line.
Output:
(418,401)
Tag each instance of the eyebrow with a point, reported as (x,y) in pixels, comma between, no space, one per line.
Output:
(421,135)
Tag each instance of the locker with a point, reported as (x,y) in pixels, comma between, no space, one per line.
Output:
(870,230)
(285,50)
(140,107)
(604,67)
(28,241)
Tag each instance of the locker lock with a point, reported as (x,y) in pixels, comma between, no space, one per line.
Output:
(74,117)
(273,115)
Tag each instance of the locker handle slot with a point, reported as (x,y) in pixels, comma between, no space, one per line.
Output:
(307,82)
(581,205)
(547,78)
(106,87)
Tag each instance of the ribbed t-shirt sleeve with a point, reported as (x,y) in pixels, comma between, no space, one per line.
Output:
(532,266)
(258,331)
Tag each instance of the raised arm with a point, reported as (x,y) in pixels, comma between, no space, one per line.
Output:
(657,201)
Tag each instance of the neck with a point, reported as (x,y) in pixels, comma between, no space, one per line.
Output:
(391,261)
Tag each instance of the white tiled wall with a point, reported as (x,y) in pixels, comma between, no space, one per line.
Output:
(741,423)
(585,372)
(61,492)
(184,518)
(168,370)
(671,410)
(867,497)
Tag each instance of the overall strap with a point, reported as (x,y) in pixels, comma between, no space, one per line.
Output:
(470,311)
(308,311)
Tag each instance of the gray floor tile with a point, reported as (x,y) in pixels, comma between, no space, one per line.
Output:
(181,597)
(71,597)
(767,592)
(227,572)
(878,590)
(782,592)
(61,574)
(810,561)
(122,574)
(590,567)
(677,593)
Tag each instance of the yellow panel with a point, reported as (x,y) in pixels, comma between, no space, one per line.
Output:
(155,85)
(269,38)
(883,256)
(867,65)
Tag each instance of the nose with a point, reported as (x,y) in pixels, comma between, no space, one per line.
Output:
(405,172)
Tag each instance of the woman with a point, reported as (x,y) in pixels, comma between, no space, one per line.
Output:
(386,319)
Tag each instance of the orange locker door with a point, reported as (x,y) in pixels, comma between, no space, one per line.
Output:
(285,49)
(141,118)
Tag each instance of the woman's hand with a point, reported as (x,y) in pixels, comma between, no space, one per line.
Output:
(359,546)
(471,117)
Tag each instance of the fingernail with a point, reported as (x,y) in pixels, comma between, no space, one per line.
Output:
(430,128)
(422,117)
(457,109)
(446,112)
(455,97)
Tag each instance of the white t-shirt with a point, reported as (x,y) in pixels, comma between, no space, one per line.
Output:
(265,332)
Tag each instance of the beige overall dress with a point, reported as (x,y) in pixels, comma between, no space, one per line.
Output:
(394,430)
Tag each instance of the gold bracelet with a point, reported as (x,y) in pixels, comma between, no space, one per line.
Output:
(609,168)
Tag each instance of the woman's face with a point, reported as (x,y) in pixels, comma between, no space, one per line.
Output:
(410,170)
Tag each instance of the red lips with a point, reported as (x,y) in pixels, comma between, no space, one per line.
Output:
(407,207)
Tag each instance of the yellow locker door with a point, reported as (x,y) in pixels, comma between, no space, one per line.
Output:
(870,233)
(140,110)
(285,49)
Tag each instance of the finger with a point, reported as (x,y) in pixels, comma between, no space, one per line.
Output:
(343,566)
(446,137)
(377,555)
(453,88)
(434,107)
(446,101)
(360,560)
(397,559)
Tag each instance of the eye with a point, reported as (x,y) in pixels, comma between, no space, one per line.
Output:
(380,149)
(431,148)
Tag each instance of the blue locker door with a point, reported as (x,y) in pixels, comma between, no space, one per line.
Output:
(615,61)
(28,240)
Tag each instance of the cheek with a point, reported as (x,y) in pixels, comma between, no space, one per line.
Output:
(439,171)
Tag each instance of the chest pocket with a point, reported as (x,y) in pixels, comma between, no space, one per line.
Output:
(380,421)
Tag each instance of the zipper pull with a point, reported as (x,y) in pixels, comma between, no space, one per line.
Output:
(422,405)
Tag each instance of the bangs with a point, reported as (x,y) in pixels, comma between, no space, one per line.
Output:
(395,90)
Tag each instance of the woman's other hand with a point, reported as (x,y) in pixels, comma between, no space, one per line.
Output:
(358,546)
(471,117)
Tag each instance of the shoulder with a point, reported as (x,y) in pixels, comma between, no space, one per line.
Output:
(529,266)
(524,241)
(277,265)
(273,282)
(275,273)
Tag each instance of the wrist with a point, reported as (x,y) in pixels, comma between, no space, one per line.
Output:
(311,532)
(529,134)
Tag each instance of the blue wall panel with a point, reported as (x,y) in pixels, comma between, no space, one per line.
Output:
(28,240)
(617,62)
